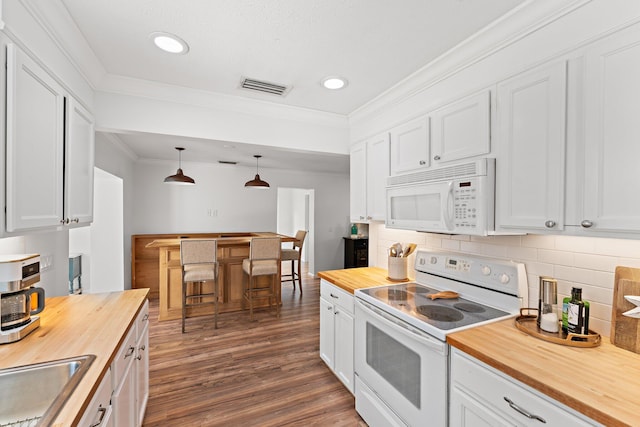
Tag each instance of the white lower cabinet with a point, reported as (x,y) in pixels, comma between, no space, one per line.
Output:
(483,396)
(130,374)
(99,413)
(336,332)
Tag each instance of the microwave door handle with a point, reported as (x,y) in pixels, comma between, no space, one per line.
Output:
(447,207)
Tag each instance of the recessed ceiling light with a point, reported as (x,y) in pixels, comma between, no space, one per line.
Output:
(169,42)
(334,83)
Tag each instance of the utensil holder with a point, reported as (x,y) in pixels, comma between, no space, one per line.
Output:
(397,268)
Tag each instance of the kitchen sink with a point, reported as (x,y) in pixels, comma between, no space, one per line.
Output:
(32,395)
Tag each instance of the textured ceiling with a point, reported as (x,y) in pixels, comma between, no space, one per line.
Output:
(372,43)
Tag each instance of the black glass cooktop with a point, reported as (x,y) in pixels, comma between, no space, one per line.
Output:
(412,299)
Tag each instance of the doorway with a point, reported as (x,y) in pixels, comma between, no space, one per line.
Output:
(295,209)
(101,244)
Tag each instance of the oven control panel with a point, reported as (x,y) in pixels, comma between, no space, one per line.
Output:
(500,275)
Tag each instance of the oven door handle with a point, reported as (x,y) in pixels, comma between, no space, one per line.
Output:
(403,327)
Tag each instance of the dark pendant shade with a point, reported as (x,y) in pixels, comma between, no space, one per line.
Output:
(179,178)
(257,182)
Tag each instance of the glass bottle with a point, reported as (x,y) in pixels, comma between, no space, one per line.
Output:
(575,312)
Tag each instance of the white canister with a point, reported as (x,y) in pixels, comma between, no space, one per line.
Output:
(397,268)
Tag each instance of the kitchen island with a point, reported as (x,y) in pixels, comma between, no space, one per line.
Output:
(162,253)
(78,325)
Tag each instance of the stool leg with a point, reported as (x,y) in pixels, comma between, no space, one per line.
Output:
(251,298)
(215,304)
(184,303)
(299,276)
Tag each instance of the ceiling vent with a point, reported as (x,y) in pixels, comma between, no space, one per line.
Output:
(227,162)
(265,87)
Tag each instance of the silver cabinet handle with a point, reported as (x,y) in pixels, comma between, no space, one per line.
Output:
(64,221)
(330,308)
(76,220)
(361,217)
(523,411)
(436,157)
(102,412)
(586,223)
(333,296)
(422,162)
(549,223)
(146,317)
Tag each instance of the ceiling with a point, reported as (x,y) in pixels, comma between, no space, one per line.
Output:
(374,44)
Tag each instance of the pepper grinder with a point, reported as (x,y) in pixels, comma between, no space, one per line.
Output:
(548,304)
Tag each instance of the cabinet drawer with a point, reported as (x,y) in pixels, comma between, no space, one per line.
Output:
(337,296)
(98,413)
(142,321)
(490,387)
(124,357)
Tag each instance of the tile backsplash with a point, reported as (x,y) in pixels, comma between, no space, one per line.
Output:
(585,262)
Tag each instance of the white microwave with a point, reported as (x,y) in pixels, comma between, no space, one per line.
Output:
(454,199)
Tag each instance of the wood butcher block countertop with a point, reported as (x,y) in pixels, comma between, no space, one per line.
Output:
(73,326)
(224,239)
(351,279)
(602,382)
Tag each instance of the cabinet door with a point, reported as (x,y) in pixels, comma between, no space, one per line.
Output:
(358,181)
(99,412)
(410,146)
(79,148)
(344,347)
(530,166)
(377,174)
(142,375)
(465,411)
(327,337)
(124,399)
(612,134)
(35,145)
(461,129)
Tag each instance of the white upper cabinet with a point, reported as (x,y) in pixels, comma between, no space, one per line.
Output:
(531,141)
(79,164)
(35,145)
(377,174)
(369,162)
(461,129)
(48,138)
(358,181)
(410,146)
(612,135)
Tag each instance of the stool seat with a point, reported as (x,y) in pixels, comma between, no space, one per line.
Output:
(260,267)
(290,255)
(199,272)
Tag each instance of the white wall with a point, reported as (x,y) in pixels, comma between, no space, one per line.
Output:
(219,189)
(116,160)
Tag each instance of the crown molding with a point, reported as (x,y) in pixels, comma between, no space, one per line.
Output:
(115,140)
(522,21)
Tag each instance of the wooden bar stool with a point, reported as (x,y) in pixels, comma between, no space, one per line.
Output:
(264,260)
(199,261)
(294,254)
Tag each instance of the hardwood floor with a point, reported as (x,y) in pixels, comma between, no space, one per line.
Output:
(262,373)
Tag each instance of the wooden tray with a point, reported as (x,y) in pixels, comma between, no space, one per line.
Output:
(527,323)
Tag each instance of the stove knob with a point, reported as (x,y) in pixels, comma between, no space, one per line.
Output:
(433,260)
(486,270)
(504,278)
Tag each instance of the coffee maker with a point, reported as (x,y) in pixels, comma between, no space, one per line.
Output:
(18,275)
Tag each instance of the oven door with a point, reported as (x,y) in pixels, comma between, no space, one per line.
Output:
(405,368)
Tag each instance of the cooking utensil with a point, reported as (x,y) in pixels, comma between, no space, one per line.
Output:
(411,247)
(625,331)
(392,251)
(444,295)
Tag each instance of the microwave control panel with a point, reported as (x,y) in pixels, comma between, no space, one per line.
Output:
(465,204)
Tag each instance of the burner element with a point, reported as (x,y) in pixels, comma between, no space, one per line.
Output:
(440,313)
(392,294)
(469,307)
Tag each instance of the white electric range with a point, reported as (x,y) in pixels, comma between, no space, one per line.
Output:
(401,355)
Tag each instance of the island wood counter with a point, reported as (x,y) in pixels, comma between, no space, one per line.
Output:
(602,383)
(232,249)
(74,326)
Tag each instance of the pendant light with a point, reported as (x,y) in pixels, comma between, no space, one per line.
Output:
(257,182)
(179,178)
